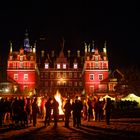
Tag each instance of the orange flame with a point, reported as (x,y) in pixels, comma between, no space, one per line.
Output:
(58,98)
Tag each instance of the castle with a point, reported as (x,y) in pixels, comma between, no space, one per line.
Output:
(85,74)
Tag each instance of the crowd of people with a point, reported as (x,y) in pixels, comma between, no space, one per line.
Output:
(22,111)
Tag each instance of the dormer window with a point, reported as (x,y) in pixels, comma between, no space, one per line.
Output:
(64,66)
(46,66)
(58,66)
(75,66)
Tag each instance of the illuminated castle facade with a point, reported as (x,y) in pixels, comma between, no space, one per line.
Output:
(80,73)
(22,69)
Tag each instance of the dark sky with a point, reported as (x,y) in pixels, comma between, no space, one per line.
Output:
(115,22)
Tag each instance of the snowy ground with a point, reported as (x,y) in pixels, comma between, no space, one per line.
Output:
(119,129)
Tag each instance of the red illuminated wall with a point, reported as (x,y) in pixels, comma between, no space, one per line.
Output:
(21,70)
(96,73)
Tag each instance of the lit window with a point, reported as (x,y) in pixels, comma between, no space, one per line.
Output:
(80,75)
(64,66)
(75,66)
(91,76)
(58,66)
(25,76)
(64,75)
(58,83)
(58,75)
(15,76)
(46,66)
(100,76)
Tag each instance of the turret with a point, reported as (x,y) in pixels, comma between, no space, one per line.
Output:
(26,43)
(11,47)
(86,48)
(104,49)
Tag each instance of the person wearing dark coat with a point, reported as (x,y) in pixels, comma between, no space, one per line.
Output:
(48,107)
(108,108)
(35,111)
(55,106)
(77,107)
(68,108)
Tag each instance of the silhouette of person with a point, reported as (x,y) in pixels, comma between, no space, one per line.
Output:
(48,107)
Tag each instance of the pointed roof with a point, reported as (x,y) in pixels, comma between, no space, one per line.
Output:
(61,58)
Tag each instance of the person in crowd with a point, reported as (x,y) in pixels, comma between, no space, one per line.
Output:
(97,109)
(29,110)
(108,108)
(35,111)
(76,108)
(68,108)
(90,112)
(48,107)
(85,108)
(55,106)
(1,111)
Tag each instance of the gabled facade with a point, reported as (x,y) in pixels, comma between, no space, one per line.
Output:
(21,69)
(62,73)
(96,72)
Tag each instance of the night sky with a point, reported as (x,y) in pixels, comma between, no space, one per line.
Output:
(115,22)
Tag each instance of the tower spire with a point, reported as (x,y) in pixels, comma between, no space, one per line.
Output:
(26,42)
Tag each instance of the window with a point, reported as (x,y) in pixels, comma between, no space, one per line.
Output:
(58,83)
(91,89)
(46,75)
(41,75)
(64,66)
(80,84)
(70,75)
(52,75)
(25,76)
(75,75)
(70,84)
(100,76)
(64,75)
(75,84)
(75,66)
(58,66)
(46,84)
(46,66)
(80,75)
(15,76)
(91,77)
(21,64)
(96,64)
(25,88)
(58,75)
